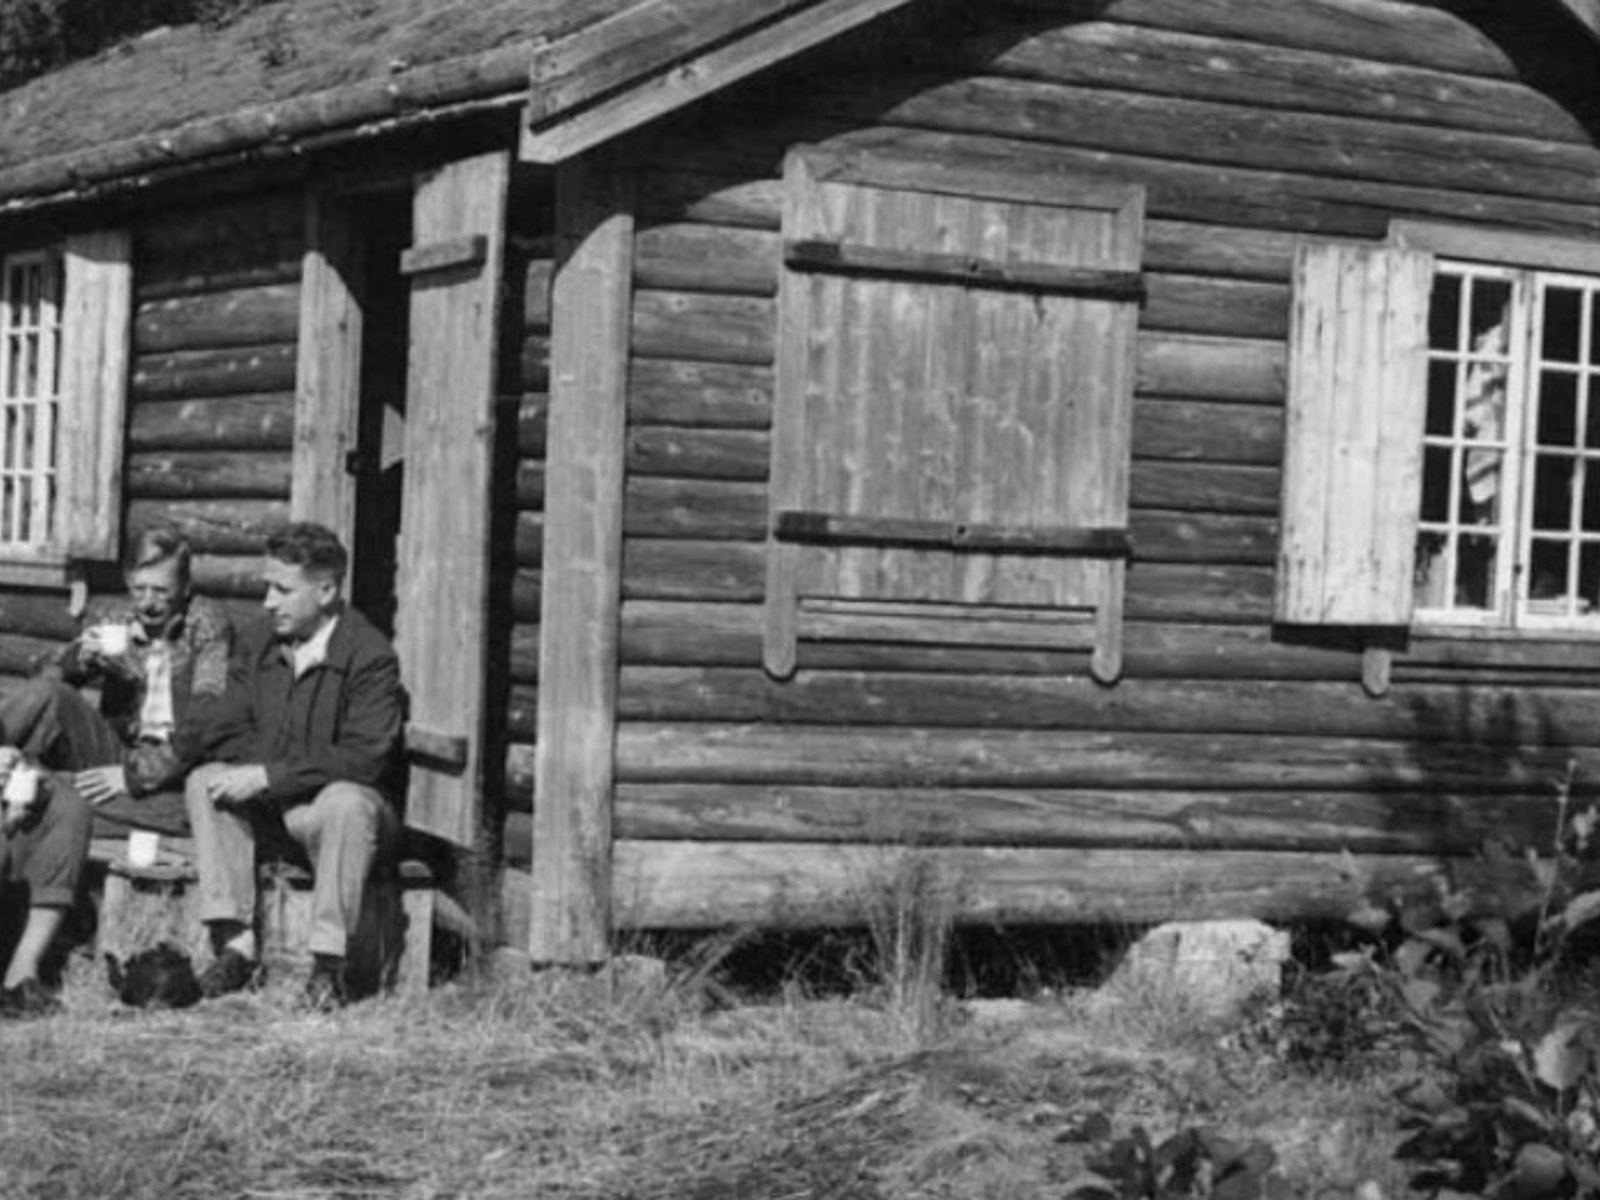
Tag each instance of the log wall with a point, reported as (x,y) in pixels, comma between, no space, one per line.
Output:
(1252,127)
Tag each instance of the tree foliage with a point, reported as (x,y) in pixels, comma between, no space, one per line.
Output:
(40,35)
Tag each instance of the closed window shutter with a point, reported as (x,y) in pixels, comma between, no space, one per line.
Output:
(952,358)
(96,323)
(1357,388)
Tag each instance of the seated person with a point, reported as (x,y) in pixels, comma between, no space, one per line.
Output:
(44,843)
(306,741)
(155,655)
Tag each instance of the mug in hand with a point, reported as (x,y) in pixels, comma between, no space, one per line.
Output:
(111,640)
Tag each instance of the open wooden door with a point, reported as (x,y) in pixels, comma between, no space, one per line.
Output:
(454,267)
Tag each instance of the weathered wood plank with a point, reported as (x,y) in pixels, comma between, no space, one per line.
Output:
(1387,823)
(211,373)
(214,526)
(698,885)
(1198,304)
(20,655)
(688,257)
(954,757)
(1190,431)
(1206,368)
(571,913)
(701,327)
(247,317)
(699,453)
(37,615)
(203,275)
(1205,487)
(242,422)
(689,393)
(1235,70)
(713,509)
(207,475)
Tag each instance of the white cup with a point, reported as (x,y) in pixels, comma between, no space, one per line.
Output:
(22,787)
(144,847)
(112,639)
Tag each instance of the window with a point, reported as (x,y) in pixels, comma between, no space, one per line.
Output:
(64,328)
(30,387)
(953,401)
(1442,450)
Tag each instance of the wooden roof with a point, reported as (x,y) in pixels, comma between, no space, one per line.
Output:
(294,73)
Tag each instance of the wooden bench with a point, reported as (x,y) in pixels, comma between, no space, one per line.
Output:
(140,906)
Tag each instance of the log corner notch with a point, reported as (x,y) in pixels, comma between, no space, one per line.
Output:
(574,766)
(656,57)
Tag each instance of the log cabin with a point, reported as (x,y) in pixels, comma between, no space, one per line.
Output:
(1129,457)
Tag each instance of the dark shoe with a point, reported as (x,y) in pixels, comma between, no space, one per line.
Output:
(326,990)
(27,1000)
(229,972)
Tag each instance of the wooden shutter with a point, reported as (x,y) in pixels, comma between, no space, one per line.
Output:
(455,268)
(1353,435)
(96,321)
(954,356)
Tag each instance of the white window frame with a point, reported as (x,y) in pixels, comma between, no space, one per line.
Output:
(30,401)
(1531,264)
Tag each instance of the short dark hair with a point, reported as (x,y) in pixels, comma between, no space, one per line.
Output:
(313,548)
(157,544)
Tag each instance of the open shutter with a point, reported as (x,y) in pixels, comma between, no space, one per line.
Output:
(1353,435)
(455,267)
(96,322)
(950,447)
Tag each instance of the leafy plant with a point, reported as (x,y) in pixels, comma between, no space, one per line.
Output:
(1196,1163)
(1509,1108)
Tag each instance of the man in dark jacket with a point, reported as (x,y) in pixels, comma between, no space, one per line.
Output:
(305,737)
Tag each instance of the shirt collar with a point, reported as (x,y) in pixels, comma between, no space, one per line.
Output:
(312,652)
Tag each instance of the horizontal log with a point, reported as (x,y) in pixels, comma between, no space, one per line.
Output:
(41,615)
(255,316)
(1204,368)
(675,189)
(1226,69)
(214,526)
(204,276)
(1193,430)
(1200,304)
(213,373)
(1387,823)
(236,576)
(1056,758)
(1361,29)
(1179,188)
(1179,537)
(21,654)
(220,226)
(680,256)
(1204,487)
(1194,248)
(533,417)
(1557,717)
(685,393)
(961,270)
(207,475)
(241,422)
(698,570)
(823,528)
(693,885)
(711,509)
(699,453)
(533,363)
(703,328)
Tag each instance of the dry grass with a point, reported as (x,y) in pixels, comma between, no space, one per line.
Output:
(616,1087)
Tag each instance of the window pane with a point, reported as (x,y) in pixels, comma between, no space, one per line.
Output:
(1480,490)
(1588,576)
(1563,310)
(1594,331)
(1431,574)
(1444,313)
(1441,398)
(1475,572)
(1490,315)
(1589,476)
(1483,402)
(1548,570)
(1558,408)
(1552,492)
(1436,483)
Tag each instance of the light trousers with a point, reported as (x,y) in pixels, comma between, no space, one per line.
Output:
(348,830)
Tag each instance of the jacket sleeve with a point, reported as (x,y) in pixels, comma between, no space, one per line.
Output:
(365,746)
(223,728)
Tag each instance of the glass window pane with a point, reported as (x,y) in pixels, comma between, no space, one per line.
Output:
(1444,313)
(1441,398)
(1552,492)
(1563,311)
(1588,576)
(1589,477)
(1475,572)
(1436,483)
(1591,420)
(1431,574)
(1483,402)
(1547,578)
(1480,487)
(1558,408)
(1594,330)
(1490,316)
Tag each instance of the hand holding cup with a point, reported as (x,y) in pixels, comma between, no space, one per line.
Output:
(109,640)
(20,791)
